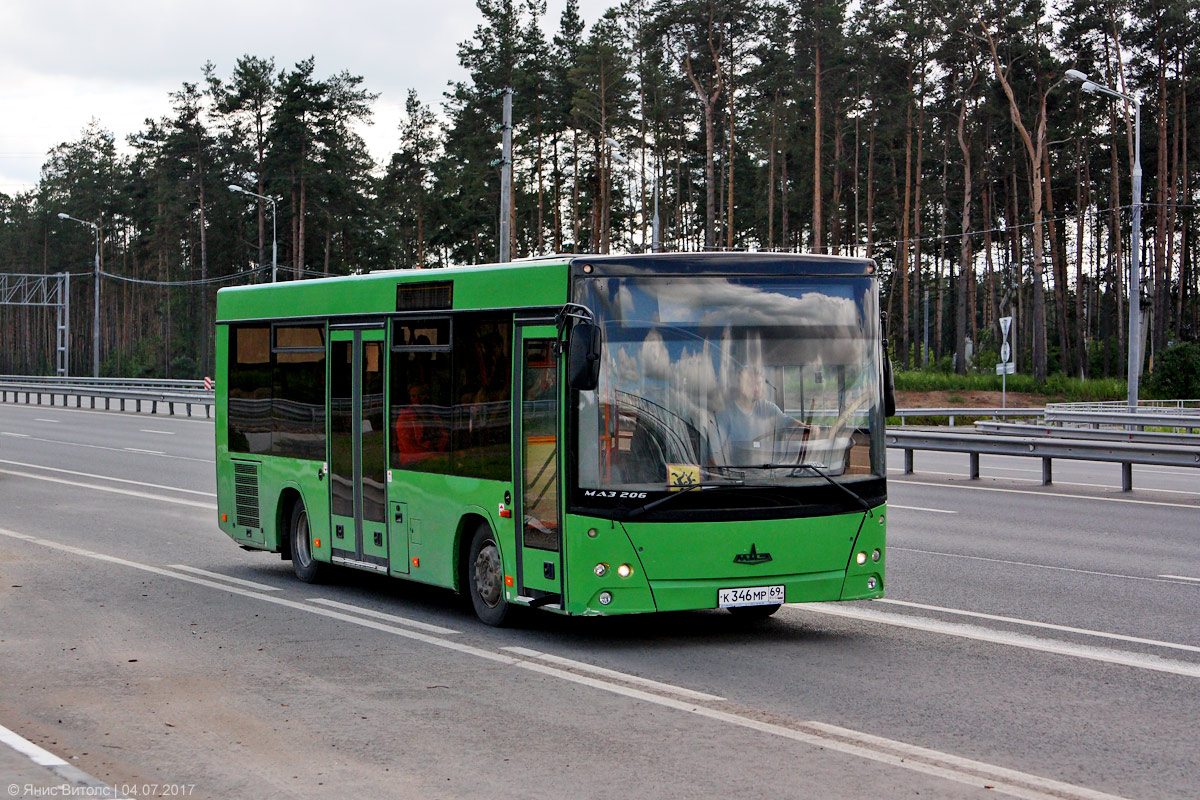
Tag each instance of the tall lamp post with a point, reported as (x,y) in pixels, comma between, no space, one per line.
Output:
(1135,271)
(233,187)
(95,294)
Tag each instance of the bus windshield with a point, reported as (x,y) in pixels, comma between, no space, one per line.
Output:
(750,381)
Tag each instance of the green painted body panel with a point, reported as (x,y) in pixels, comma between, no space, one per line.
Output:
(530,285)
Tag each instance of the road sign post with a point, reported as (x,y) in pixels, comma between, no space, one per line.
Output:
(1006,366)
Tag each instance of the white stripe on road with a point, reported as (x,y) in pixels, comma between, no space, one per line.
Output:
(919,508)
(1043,494)
(74,780)
(895,753)
(610,673)
(239,581)
(112,489)
(1024,641)
(1180,578)
(39,419)
(106,478)
(16,435)
(1159,579)
(1033,624)
(165,433)
(39,756)
(370,612)
(147,452)
(101,447)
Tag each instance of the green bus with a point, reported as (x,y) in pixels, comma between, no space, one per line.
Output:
(588,435)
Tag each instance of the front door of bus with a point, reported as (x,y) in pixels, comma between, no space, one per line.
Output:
(539,527)
(357,448)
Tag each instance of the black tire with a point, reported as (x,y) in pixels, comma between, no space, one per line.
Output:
(749,613)
(307,568)
(485,579)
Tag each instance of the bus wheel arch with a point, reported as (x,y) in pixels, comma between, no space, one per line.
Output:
(288,498)
(483,574)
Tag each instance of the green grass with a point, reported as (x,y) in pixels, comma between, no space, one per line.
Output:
(1056,387)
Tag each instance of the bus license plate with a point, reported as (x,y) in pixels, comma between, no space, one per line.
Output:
(750,596)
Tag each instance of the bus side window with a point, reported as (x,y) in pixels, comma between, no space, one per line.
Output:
(483,390)
(420,396)
(250,384)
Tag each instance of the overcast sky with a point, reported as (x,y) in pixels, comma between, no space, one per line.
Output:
(65,62)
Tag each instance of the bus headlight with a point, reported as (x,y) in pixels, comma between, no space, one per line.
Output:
(601,570)
(605,598)
(875,555)
(624,570)
(872,582)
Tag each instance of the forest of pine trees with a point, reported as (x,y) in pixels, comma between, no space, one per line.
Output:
(938,138)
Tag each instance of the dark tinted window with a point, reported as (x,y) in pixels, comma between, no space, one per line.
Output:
(250,389)
(482,392)
(298,409)
(421,410)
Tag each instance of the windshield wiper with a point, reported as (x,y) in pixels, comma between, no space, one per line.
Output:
(844,489)
(828,478)
(637,512)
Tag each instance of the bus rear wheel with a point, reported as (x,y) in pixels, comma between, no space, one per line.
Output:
(307,568)
(485,579)
(754,612)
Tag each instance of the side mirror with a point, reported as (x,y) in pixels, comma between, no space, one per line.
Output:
(583,357)
(889,388)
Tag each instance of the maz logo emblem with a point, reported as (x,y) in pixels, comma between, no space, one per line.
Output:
(753,557)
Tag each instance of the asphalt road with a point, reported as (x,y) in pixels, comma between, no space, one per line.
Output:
(1035,642)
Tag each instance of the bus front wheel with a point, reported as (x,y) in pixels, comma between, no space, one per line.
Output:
(485,578)
(307,568)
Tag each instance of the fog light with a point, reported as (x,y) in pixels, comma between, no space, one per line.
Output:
(871,582)
(592,533)
(875,555)
(861,558)
(605,598)
(624,570)
(880,519)
(601,570)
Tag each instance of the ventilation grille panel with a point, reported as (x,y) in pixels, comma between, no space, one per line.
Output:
(245,486)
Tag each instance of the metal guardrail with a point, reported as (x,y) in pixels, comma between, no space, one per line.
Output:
(1047,449)
(1149,406)
(158,384)
(1139,419)
(952,413)
(35,391)
(1063,432)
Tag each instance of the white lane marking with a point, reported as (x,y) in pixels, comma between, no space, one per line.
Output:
(112,413)
(239,581)
(1159,579)
(1180,578)
(165,433)
(1034,624)
(72,777)
(100,447)
(40,419)
(147,452)
(1044,494)
(113,489)
(39,756)
(369,612)
(107,478)
(875,748)
(16,435)
(1021,640)
(919,508)
(612,673)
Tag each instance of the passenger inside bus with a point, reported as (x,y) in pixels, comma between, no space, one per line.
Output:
(420,435)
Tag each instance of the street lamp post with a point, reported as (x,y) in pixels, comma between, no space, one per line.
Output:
(233,187)
(1135,271)
(95,294)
